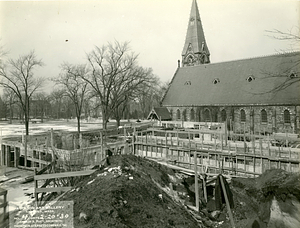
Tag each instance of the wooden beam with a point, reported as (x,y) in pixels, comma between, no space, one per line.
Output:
(196,181)
(65,174)
(58,189)
(227,202)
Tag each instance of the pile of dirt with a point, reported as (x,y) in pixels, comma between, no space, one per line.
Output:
(132,192)
(272,199)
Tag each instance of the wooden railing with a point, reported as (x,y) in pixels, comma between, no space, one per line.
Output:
(3,207)
(215,152)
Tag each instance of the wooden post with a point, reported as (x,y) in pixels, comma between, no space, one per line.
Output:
(215,141)
(204,187)
(286,139)
(166,137)
(220,165)
(152,134)
(189,140)
(35,187)
(196,181)
(226,134)
(40,161)
(25,151)
(15,157)
(260,146)
(245,132)
(221,142)
(253,143)
(227,202)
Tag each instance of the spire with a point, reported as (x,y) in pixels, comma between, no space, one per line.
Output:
(195,50)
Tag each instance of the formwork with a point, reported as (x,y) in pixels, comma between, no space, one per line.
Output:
(216,152)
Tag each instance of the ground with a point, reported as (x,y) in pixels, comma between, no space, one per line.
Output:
(136,192)
(272,199)
(129,196)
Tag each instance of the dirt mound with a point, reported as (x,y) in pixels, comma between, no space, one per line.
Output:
(270,196)
(128,193)
(136,192)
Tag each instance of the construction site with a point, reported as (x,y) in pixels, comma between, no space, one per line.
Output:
(144,176)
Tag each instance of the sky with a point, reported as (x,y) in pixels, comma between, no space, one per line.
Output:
(65,31)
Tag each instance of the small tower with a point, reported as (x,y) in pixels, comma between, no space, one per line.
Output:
(195,50)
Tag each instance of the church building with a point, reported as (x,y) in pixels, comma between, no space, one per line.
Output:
(260,94)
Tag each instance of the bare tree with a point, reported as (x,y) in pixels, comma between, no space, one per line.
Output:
(10,100)
(291,36)
(56,97)
(18,76)
(114,76)
(127,87)
(71,78)
(40,105)
(290,74)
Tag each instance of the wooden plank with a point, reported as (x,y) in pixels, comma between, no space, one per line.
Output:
(35,187)
(58,189)
(3,204)
(227,202)
(65,174)
(196,181)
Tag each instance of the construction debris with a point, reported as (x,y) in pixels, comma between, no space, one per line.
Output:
(136,192)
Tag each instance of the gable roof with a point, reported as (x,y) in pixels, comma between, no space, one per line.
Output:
(159,113)
(229,83)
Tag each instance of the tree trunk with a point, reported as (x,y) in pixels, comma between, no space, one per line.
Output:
(104,123)
(78,124)
(104,119)
(42,115)
(11,113)
(118,121)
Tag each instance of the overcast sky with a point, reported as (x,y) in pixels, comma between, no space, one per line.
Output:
(63,31)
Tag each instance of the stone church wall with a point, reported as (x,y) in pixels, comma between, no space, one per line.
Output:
(274,117)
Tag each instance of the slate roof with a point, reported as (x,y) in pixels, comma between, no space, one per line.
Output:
(160,113)
(194,85)
(195,34)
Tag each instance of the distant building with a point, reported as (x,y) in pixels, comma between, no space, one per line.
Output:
(160,113)
(256,95)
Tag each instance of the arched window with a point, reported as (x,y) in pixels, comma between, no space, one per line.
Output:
(192,115)
(243,115)
(264,116)
(184,115)
(287,116)
(178,117)
(171,113)
(207,115)
(223,115)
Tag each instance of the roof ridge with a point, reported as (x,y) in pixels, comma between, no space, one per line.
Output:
(255,57)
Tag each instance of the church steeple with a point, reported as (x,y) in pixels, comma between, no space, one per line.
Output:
(195,50)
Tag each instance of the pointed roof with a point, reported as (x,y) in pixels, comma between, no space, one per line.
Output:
(159,113)
(195,34)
